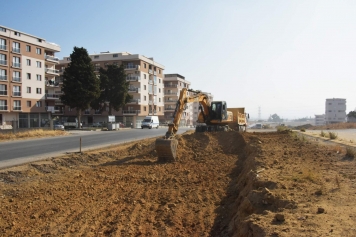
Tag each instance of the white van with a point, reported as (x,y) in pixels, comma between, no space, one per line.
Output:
(150,122)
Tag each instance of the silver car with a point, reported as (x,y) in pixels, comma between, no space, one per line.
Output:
(59,127)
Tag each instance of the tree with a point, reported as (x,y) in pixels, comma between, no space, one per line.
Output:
(351,114)
(274,118)
(114,89)
(80,84)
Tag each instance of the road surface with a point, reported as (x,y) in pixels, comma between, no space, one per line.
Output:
(23,151)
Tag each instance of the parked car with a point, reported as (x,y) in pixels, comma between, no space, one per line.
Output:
(98,124)
(59,127)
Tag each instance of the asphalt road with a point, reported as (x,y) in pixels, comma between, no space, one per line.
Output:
(23,151)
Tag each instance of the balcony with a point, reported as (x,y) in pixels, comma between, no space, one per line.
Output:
(51,71)
(52,83)
(150,92)
(131,112)
(3,92)
(16,79)
(133,78)
(17,65)
(16,50)
(52,96)
(170,101)
(150,102)
(171,85)
(169,109)
(171,93)
(134,90)
(16,93)
(134,101)
(52,59)
(3,78)
(132,67)
(150,82)
(150,71)
(155,73)
(152,112)
(3,62)
(17,108)
(3,47)
(54,109)
(3,107)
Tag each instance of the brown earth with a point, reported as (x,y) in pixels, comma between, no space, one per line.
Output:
(223,184)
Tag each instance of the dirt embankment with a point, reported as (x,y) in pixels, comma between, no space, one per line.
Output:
(224,184)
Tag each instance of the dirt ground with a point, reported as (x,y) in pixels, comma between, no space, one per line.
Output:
(223,184)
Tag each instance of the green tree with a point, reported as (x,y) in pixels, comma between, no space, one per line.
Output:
(274,118)
(351,114)
(114,89)
(80,84)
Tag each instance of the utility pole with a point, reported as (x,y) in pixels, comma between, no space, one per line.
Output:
(259,113)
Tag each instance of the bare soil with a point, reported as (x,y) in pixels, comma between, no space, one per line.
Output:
(223,184)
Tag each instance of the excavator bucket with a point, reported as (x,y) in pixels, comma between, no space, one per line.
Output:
(166,149)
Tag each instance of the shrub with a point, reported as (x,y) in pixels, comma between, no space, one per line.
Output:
(332,135)
(350,152)
(302,129)
(322,133)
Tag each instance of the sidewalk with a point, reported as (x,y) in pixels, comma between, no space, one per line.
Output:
(344,136)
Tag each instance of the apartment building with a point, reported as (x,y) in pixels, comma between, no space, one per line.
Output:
(335,110)
(319,119)
(196,107)
(173,84)
(146,87)
(27,62)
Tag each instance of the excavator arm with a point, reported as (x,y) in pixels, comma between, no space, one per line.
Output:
(166,147)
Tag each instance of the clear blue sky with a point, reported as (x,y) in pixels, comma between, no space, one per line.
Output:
(285,57)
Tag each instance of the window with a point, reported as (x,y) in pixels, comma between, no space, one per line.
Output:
(144,87)
(3,44)
(28,103)
(39,64)
(159,90)
(3,59)
(3,104)
(159,99)
(144,98)
(39,104)
(28,90)
(39,40)
(144,108)
(28,76)
(28,48)
(28,62)
(159,71)
(159,80)
(16,90)
(3,89)
(159,109)
(144,65)
(16,47)
(2,29)
(96,56)
(144,76)
(39,77)
(115,55)
(38,50)
(68,59)
(3,76)
(17,33)
(17,105)
(38,90)
(16,76)
(16,62)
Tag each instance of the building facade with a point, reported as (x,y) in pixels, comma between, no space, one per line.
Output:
(27,63)
(335,110)
(319,119)
(173,84)
(146,87)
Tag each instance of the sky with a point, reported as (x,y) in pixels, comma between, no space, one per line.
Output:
(284,57)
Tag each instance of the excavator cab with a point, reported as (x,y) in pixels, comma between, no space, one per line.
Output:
(218,110)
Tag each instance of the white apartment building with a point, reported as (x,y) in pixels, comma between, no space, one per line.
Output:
(196,107)
(335,110)
(146,87)
(319,119)
(26,63)
(173,84)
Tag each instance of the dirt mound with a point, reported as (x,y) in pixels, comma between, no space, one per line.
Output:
(304,126)
(223,184)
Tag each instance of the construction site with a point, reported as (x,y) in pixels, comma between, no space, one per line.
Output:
(224,183)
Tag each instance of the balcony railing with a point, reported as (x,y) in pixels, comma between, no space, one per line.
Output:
(152,112)
(16,65)
(170,101)
(154,73)
(54,109)
(150,92)
(150,102)
(3,62)
(135,101)
(16,108)
(3,107)
(171,93)
(129,67)
(150,82)
(52,96)
(132,89)
(171,85)
(51,58)
(169,109)
(3,47)
(150,71)
(16,93)
(3,92)
(52,83)
(53,71)
(133,78)
(132,112)
(16,50)
(16,79)
(3,78)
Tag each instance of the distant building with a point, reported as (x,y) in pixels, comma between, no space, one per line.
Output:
(335,110)
(173,84)
(319,120)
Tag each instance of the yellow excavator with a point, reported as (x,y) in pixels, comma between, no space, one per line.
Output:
(213,114)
